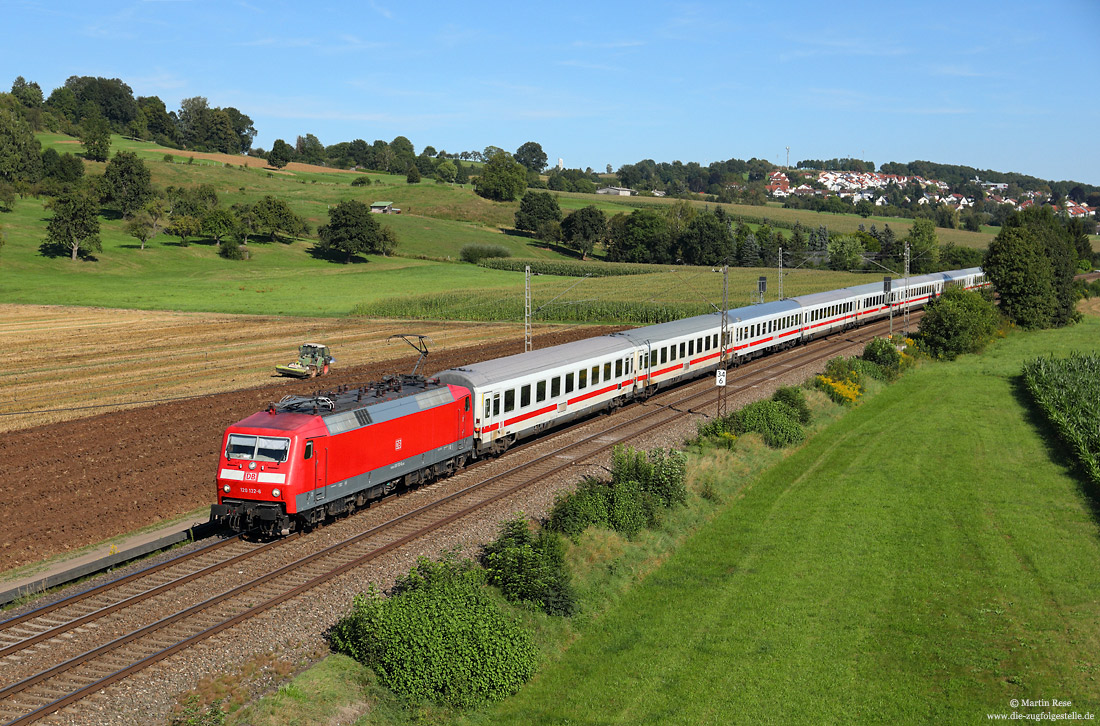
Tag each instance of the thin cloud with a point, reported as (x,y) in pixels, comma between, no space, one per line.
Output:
(611,45)
(384,12)
(589,66)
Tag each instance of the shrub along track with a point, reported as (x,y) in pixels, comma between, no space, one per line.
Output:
(48,686)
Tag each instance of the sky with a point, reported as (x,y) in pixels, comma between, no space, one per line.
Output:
(1009,86)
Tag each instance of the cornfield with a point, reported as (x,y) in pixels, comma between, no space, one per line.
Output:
(1068,392)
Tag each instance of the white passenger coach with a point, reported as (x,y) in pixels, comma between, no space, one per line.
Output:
(521,395)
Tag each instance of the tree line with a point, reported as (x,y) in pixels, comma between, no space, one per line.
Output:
(684,234)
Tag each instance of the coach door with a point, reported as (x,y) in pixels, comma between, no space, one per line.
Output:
(644,369)
(492,410)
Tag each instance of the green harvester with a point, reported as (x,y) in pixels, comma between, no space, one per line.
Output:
(313,360)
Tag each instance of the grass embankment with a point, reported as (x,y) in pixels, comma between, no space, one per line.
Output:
(925,559)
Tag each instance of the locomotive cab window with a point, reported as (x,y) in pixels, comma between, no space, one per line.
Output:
(257,448)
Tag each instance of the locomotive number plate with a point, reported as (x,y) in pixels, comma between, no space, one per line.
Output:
(251,490)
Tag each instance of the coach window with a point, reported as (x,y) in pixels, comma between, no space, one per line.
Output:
(629,365)
(607,371)
(595,375)
(664,355)
(683,347)
(487,404)
(509,400)
(555,387)
(525,396)
(540,391)
(619,368)
(582,379)
(568,382)
(691,347)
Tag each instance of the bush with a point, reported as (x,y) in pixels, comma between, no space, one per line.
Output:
(641,487)
(626,513)
(360,181)
(776,422)
(441,638)
(663,474)
(577,511)
(476,253)
(530,568)
(231,250)
(959,321)
(793,398)
(882,352)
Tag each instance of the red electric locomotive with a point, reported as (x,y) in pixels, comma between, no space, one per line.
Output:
(308,457)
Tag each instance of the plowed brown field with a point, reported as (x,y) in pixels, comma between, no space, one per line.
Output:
(69,479)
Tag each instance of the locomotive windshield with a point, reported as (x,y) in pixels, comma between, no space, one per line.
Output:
(257,448)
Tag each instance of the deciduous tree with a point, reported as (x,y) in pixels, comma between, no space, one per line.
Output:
(531,156)
(74,226)
(218,224)
(184,226)
(502,179)
(536,208)
(20,152)
(141,227)
(128,182)
(352,229)
(280,155)
(582,229)
(446,171)
(96,137)
(924,247)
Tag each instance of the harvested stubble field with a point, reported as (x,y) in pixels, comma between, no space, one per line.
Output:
(65,484)
(56,360)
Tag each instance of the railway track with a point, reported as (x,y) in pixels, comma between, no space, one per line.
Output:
(108,657)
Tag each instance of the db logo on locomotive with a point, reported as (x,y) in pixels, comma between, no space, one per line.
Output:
(251,476)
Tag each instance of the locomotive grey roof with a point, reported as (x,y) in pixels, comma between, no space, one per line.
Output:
(489,372)
(346,410)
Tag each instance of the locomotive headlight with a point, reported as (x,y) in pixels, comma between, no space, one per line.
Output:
(275,493)
(226,488)
(252,466)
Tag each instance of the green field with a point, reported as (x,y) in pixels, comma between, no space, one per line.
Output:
(923,560)
(285,279)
